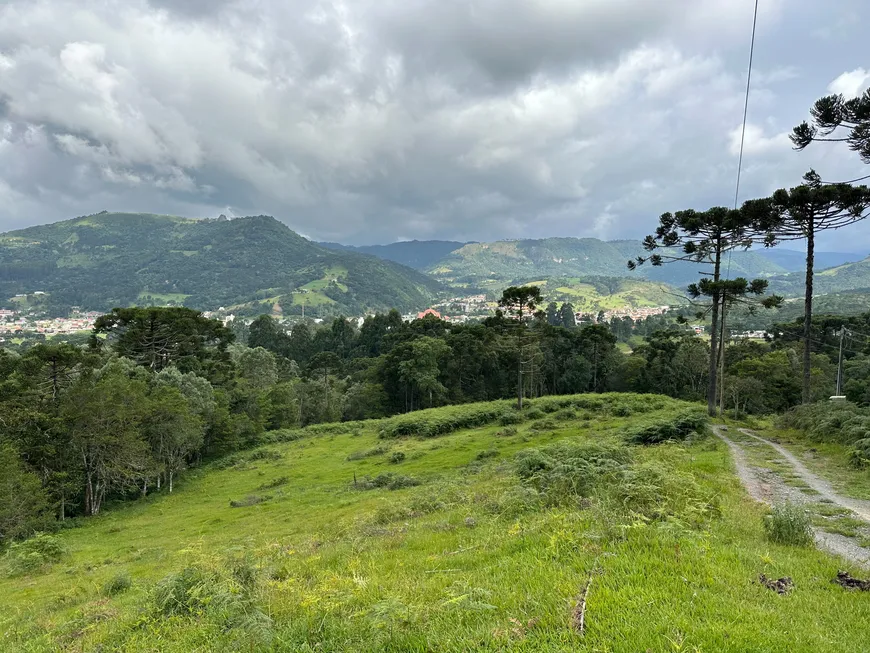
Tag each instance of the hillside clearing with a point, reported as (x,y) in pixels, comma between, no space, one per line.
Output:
(486,544)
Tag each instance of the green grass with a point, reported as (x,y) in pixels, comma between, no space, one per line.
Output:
(475,558)
(173,297)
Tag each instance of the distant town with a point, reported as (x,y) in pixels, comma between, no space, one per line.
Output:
(23,322)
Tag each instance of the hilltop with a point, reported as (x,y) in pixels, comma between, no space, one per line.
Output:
(483,537)
(250,264)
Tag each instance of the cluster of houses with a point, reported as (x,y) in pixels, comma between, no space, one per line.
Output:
(17,322)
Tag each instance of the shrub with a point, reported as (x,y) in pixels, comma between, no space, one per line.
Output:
(534,413)
(194,590)
(568,470)
(859,456)
(250,500)
(507,431)
(440,421)
(678,427)
(488,453)
(264,454)
(788,524)
(277,482)
(281,435)
(566,414)
(368,453)
(511,417)
(841,422)
(387,481)
(34,554)
(396,457)
(546,424)
(118,584)
(206,590)
(657,492)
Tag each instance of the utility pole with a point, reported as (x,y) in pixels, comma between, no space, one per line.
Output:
(722,361)
(840,363)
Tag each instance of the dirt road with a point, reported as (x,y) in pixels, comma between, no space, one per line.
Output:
(767,486)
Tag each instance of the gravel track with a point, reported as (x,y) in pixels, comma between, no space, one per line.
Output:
(768,487)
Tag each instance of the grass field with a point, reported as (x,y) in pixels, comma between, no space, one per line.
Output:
(487,544)
(164,298)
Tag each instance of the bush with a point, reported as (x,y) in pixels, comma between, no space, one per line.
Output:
(840,422)
(569,470)
(566,414)
(118,584)
(440,421)
(387,481)
(511,417)
(485,455)
(34,554)
(859,456)
(507,431)
(657,492)
(250,500)
(788,524)
(368,453)
(277,482)
(396,457)
(546,424)
(678,427)
(281,435)
(534,413)
(194,590)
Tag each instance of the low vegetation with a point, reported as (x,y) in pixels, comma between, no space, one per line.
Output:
(789,524)
(484,541)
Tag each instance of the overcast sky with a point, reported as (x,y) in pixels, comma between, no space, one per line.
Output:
(379,120)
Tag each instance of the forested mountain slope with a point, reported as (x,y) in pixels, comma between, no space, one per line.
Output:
(843,278)
(117,259)
(417,254)
(493,264)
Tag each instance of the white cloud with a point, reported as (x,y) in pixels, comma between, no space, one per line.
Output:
(756,142)
(851,84)
(362,121)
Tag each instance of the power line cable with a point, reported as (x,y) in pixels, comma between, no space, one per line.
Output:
(736,196)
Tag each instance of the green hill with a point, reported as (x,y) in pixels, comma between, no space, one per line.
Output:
(117,259)
(593,294)
(482,539)
(492,265)
(417,254)
(843,278)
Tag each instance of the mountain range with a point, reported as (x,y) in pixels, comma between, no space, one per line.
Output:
(473,263)
(257,264)
(248,264)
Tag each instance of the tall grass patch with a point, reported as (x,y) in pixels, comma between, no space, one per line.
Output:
(788,524)
(678,427)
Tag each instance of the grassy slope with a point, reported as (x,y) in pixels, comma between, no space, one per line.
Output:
(496,264)
(451,565)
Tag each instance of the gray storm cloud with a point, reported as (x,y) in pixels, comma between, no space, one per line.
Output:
(371,121)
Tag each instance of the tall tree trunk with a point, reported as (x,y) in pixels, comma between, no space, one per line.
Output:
(808,311)
(714,338)
(170,481)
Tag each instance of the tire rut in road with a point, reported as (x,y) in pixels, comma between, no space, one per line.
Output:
(768,487)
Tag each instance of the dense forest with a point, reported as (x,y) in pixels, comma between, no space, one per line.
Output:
(101,261)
